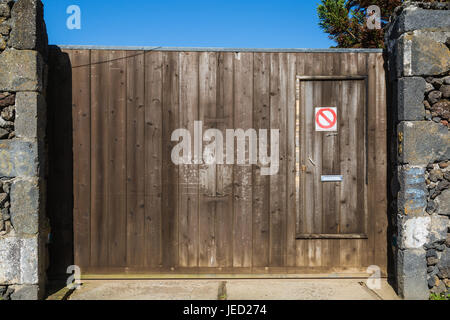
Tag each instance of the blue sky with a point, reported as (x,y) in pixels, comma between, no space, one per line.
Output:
(189,23)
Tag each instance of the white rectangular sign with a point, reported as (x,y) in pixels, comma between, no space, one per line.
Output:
(332,178)
(326,119)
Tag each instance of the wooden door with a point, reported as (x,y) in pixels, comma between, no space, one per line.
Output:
(333,176)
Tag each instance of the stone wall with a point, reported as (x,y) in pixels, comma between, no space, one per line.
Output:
(23,226)
(418,54)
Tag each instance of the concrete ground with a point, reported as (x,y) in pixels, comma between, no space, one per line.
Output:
(235,289)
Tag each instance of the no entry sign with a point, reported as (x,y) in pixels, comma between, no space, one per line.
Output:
(326,119)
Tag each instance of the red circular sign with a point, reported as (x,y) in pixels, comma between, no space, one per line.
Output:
(329,122)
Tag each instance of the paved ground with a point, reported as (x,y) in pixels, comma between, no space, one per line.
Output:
(261,289)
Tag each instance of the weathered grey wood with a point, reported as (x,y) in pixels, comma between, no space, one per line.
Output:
(362,166)
(99,158)
(207,172)
(135,158)
(261,186)
(291,205)
(81,119)
(351,212)
(333,247)
(243,118)
(189,183)
(224,207)
(277,188)
(377,88)
(153,158)
(171,115)
(147,213)
(116,138)
(300,167)
(330,163)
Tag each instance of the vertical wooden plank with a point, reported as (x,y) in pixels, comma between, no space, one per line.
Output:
(314,253)
(372,156)
(261,187)
(346,246)
(189,183)
(153,157)
(282,173)
(381,223)
(361,145)
(317,156)
(207,172)
(344,142)
(348,157)
(318,68)
(276,188)
(312,159)
(135,158)
(330,166)
(361,154)
(170,170)
(81,117)
(330,155)
(338,69)
(99,157)
(307,141)
(301,224)
(350,217)
(242,220)
(345,251)
(278,109)
(117,218)
(224,208)
(291,160)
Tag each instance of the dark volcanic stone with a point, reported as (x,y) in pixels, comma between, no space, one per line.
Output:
(8,113)
(434,96)
(445,89)
(447,175)
(441,109)
(431,206)
(431,261)
(435,175)
(3,133)
(7,100)
(431,282)
(442,185)
(431,253)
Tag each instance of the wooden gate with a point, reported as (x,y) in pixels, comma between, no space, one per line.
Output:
(136,211)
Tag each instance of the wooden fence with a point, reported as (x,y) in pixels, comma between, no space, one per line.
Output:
(134,210)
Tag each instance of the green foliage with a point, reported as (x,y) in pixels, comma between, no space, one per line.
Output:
(345,22)
(441,296)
